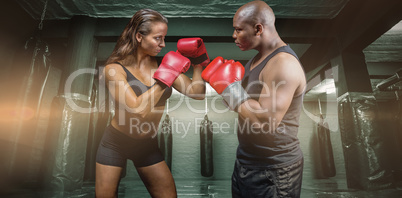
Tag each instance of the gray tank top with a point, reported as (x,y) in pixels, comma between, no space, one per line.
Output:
(269,148)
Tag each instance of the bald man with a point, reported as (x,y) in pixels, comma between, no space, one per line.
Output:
(269,162)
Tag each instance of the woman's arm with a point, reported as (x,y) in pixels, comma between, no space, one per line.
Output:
(124,95)
(193,88)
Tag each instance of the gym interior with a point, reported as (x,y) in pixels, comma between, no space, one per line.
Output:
(52,117)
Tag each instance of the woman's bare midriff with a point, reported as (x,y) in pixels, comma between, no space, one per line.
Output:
(134,126)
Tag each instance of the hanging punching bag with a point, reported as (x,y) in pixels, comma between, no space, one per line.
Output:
(325,146)
(206,137)
(26,140)
(100,119)
(399,126)
(166,140)
(90,158)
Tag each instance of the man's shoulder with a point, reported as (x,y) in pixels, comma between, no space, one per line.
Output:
(282,61)
(283,67)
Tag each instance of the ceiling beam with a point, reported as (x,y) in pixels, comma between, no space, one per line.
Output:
(359,24)
(299,30)
(320,52)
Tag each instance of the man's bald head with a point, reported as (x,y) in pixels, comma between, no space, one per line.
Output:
(256,12)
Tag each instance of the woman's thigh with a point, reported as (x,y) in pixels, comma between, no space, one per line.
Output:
(107,180)
(158,180)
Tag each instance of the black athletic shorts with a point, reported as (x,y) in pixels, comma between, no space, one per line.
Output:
(276,182)
(116,147)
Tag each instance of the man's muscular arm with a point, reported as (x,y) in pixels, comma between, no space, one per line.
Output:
(281,78)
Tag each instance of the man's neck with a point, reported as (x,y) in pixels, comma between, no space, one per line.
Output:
(269,45)
(266,48)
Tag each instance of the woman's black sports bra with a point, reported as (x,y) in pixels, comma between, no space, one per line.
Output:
(139,88)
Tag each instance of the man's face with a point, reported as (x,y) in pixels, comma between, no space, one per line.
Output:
(243,33)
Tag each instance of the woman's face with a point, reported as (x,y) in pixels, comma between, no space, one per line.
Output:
(153,43)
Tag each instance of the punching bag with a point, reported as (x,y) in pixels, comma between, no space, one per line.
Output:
(100,119)
(364,146)
(400,117)
(27,144)
(166,140)
(206,140)
(66,165)
(325,149)
(399,133)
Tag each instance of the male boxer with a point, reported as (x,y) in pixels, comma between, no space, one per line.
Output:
(268,99)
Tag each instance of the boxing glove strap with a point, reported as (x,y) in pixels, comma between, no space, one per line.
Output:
(199,59)
(234,95)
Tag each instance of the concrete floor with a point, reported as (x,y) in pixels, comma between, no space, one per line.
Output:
(129,188)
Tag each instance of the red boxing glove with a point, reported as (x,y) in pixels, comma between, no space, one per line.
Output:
(225,75)
(194,49)
(172,65)
(212,67)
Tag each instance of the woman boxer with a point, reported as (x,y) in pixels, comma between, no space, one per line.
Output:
(139,89)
